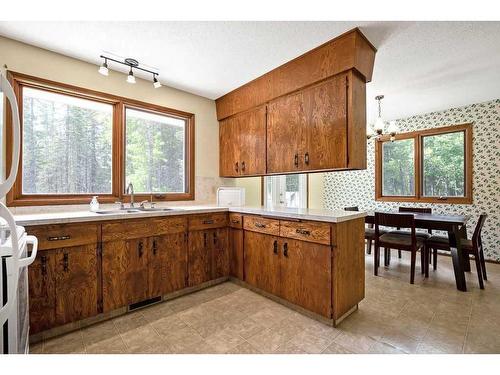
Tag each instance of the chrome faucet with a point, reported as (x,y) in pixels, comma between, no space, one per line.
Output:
(130,190)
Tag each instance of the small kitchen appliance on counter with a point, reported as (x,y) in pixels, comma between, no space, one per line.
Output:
(231,196)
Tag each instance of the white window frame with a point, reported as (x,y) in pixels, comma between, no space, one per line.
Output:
(278,186)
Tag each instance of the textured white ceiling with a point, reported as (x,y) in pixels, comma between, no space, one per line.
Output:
(419,67)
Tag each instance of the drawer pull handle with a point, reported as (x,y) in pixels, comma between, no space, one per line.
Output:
(154,247)
(215,238)
(285,250)
(259,225)
(235,221)
(236,168)
(44,265)
(296,160)
(304,232)
(205,239)
(306,158)
(59,238)
(140,249)
(66,262)
(275,247)
(243,166)
(208,221)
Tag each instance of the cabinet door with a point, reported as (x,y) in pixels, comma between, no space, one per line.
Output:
(199,257)
(42,292)
(285,138)
(236,252)
(228,147)
(167,264)
(262,257)
(252,142)
(76,283)
(325,108)
(220,253)
(125,272)
(306,278)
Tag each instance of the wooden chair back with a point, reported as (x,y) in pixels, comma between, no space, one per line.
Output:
(395,220)
(419,210)
(476,237)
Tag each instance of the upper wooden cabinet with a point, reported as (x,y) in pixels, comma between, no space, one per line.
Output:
(315,129)
(243,144)
(315,118)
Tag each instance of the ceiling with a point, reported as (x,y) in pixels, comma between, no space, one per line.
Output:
(420,66)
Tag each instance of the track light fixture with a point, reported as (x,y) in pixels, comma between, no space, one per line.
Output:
(132,64)
(103,69)
(130,77)
(156,83)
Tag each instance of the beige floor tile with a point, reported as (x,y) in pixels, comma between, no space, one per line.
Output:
(112,345)
(224,340)
(246,328)
(168,325)
(130,321)
(355,343)
(141,340)
(335,348)
(71,343)
(383,348)
(267,317)
(398,339)
(157,312)
(244,348)
(199,347)
(183,339)
(99,332)
(209,326)
(268,340)
(289,348)
(310,343)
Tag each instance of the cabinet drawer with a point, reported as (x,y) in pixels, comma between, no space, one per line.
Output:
(129,229)
(261,225)
(208,221)
(306,231)
(235,221)
(64,235)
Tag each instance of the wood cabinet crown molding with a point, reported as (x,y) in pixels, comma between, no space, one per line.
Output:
(351,50)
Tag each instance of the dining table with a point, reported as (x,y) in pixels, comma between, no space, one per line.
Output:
(454,225)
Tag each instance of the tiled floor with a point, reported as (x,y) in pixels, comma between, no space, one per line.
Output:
(395,317)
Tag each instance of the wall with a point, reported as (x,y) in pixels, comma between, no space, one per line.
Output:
(38,62)
(357,187)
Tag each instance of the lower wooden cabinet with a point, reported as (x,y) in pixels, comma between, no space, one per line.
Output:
(297,271)
(42,291)
(208,255)
(306,275)
(236,253)
(76,283)
(220,253)
(167,264)
(262,261)
(63,286)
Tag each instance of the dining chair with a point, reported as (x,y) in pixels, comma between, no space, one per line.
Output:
(394,240)
(473,247)
(369,231)
(421,234)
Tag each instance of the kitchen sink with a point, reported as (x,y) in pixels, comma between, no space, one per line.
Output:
(132,210)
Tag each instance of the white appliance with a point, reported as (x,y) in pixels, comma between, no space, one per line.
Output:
(14,259)
(230,196)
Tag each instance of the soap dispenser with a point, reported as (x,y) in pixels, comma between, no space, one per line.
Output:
(94,204)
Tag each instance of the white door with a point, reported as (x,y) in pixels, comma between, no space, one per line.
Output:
(286,191)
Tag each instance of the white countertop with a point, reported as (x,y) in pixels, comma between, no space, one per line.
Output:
(332,216)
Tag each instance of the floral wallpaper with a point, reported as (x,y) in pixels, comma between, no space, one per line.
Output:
(353,188)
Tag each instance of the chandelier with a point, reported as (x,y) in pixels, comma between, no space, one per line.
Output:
(378,129)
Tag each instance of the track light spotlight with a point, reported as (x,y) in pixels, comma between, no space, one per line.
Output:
(130,77)
(156,83)
(103,69)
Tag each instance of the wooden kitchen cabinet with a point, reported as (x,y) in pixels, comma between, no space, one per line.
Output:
(325,125)
(236,253)
(199,257)
(167,263)
(76,283)
(307,131)
(125,272)
(262,261)
(286,134)
(220,253)
(42,291)
(242,143)
(306,275)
